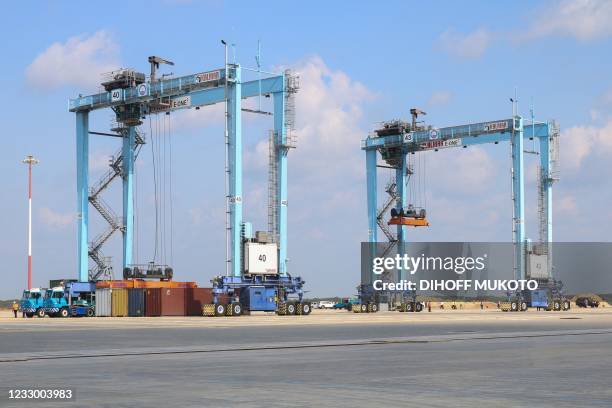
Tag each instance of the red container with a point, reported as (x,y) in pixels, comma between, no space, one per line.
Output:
(153,302)
(165,302)
(173,301)
(195,298)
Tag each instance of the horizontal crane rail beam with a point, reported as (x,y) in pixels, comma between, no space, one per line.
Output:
(206,93)
(455,136)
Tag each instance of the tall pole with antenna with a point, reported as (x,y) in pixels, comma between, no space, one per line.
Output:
(30,161)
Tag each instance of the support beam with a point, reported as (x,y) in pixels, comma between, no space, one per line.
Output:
(372,191)
(234,126)
(547,180)
(400,182)
(281,180)
(129,143)
(82,162)
(518,192)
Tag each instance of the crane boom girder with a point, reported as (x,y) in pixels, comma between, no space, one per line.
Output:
(455,136)
(200,88)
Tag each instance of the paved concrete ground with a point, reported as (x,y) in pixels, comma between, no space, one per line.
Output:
(330,359)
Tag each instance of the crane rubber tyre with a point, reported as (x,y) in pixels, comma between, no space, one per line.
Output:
(29,314)
(374,308)
(523,306)
(220,310)
(236,309)
(364,308)
(409,307)
(63,313)
(566,305)
(40,312)
(556,305)
(299,309)
(418,307)
(514,306)
(306,309)
(291,308)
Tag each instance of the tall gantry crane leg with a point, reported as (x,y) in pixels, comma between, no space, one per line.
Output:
(518,197)
(129,147)
(82,160)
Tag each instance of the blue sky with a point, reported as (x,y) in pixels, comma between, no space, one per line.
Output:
(360,63)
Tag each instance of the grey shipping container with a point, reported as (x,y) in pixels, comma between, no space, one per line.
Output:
(103,302)
(136,302)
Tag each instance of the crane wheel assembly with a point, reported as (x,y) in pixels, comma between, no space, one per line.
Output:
(293,309)
(369,307)
(410,307)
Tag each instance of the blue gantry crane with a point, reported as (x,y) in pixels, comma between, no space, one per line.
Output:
(396,139)
(253,259)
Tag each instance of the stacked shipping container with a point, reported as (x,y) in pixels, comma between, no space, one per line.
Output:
(165,302)
(119,299)
(136,302)
(135,299)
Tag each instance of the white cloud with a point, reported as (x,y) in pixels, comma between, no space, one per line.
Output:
(328,111)
(79,61)
(470,45)
(55,219)
(191,119)
(439,98)
(579,142)
(582,19)
(473,170)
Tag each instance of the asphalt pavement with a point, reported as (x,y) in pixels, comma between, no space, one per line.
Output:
(556,360)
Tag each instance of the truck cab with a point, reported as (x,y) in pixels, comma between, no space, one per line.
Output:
(31,302)
(73,299)
(56,302)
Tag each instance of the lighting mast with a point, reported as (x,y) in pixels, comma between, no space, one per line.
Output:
(30,161)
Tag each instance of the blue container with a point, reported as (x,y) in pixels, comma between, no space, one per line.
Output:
(259,298)
(136,302)
(539,298)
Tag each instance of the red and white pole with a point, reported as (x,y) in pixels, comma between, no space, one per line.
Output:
(30,160)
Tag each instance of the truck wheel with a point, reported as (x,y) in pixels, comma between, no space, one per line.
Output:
(566,305)
(306,309)
(364,308)
(374,308)
(91,312)
(290,308)
(556,306)
(63,313)
(523,306)
(419,307)
(236,309)
(220,310)
(514,306)
(40,312)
